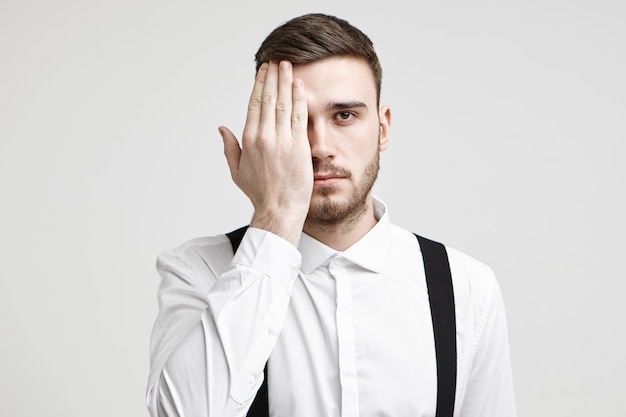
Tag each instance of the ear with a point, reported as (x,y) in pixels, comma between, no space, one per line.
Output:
(384,117)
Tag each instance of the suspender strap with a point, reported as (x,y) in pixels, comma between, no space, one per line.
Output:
(441,299)
(235,237)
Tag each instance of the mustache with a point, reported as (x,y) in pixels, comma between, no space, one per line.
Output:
(325,167)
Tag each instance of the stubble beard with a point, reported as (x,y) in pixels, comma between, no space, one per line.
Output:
(329,213)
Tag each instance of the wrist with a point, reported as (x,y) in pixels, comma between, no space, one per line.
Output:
(286,224)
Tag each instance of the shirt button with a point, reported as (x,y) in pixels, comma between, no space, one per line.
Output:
(336,262)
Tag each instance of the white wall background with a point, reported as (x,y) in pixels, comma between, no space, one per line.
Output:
(508,143)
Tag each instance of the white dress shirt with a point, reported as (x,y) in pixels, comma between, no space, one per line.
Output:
(349,333)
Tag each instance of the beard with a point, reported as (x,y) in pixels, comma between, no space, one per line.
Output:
(326,212)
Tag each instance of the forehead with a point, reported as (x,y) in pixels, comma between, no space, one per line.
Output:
(337,79)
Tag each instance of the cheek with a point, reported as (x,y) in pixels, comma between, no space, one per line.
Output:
(362,158)
(359,144)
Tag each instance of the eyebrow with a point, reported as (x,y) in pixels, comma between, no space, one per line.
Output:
(346,105)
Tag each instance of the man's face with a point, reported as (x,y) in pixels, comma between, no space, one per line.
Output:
(346,132)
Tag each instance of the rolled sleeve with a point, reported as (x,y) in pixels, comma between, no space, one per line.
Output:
(249,303)
(218,322)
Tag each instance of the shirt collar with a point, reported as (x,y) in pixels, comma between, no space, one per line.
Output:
(370,252)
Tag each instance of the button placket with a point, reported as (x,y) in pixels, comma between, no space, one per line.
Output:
(346,338)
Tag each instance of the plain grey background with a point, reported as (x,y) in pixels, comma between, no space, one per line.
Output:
(508,143)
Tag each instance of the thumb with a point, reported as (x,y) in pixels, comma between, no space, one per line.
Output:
(232,151)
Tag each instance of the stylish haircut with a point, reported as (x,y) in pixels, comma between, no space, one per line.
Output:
(313,37)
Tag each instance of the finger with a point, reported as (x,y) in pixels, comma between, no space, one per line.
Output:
(253,117)
(268,106)
(300,112)
(232,151)
(284,101)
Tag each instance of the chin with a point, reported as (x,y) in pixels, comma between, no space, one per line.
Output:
(324,192)
(333,196)
(331,209)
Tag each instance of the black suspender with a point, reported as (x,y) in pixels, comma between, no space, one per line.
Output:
(441,299)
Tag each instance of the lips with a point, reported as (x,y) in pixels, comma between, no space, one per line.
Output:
(327,174)
(323,177)
(326,180)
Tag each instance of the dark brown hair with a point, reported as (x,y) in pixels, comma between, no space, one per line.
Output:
(316,36)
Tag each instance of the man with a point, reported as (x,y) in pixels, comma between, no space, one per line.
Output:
(322,284)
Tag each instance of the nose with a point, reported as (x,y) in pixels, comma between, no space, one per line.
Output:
(321,141)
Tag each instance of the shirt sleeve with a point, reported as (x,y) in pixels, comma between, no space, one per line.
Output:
(214,333)
(490,387)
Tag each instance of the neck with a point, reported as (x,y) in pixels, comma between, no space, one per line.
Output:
(342,235)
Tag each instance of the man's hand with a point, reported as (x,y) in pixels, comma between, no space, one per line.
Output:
(274,167)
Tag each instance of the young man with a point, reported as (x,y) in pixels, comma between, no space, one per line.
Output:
(322,284)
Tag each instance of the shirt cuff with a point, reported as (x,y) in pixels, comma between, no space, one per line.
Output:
(269,254)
